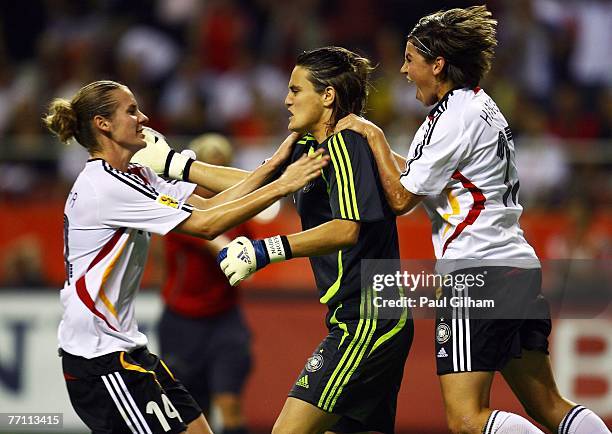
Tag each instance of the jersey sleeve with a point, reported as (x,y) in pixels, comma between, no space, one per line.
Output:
(131,200)
(180,190)
(434,159)
(352,179)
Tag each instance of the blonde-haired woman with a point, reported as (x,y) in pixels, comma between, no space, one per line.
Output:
(115,384)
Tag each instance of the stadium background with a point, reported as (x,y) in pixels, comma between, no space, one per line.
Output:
(221,65)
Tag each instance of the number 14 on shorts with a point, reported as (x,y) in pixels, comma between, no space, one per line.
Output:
(169,410)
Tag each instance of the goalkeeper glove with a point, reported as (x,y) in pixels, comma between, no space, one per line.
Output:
(164,160)
(242,257)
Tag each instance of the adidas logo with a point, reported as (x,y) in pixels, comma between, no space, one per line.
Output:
(303,382)
(244,256)
(442,353)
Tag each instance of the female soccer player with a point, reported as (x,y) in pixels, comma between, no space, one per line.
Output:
(351,381)
(461,166)
(115,384)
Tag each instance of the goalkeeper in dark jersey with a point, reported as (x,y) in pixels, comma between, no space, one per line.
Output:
(351,381)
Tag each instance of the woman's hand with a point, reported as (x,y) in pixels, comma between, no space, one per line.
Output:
(301,172)
(284,150)
(358,124)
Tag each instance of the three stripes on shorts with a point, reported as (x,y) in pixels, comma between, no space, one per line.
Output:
(125,403)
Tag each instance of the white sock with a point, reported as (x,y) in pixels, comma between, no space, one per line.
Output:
(501,422)
(581,420)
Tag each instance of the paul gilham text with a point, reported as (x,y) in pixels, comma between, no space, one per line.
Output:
(431,302)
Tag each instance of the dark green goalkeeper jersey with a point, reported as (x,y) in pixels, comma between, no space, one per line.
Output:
(348,189)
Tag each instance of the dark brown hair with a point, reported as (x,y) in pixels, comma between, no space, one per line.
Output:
(465,38)
(67,119)
(347,72)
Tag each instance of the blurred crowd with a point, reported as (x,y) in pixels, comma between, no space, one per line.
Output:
(222,66)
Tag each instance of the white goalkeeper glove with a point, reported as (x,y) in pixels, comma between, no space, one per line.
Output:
(242,257)
(164,160)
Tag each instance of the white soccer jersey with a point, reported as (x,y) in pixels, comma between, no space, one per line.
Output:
(108,217)
(462,158)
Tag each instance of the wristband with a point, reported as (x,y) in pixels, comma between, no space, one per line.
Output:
(177,166)
(278,248)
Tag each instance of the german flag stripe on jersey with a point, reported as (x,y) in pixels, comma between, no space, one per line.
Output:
(477,207)
(102,294)
(353,355)
(347,196)
(81,285)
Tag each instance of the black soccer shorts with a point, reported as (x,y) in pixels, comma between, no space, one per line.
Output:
(132,393)
(357,370)
(482,328)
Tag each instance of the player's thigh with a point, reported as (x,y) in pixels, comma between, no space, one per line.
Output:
(300,417)
(532,381)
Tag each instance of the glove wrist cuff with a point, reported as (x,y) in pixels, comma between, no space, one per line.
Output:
(278,248)
(177,166)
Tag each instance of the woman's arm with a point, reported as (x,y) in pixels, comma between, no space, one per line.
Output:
(209,223)
(388,162)
(254,179)
(166,162)
(401,161)
(323,239)
(215,178)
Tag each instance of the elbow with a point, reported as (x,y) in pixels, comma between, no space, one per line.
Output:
(212,230)
(398,208)
(209,226)
(405,202)
(209,234)
(400,204)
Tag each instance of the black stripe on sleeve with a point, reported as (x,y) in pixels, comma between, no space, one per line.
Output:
(130,181)
(576,410)
(419,150)
(493,417)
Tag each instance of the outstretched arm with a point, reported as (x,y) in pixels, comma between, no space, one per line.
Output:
(210,222)
(326,238)
(166,162)
(254,179)
(216,178)
(388,162)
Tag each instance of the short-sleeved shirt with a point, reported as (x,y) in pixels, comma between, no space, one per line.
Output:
(108,218)
(462,159)
(348,189)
